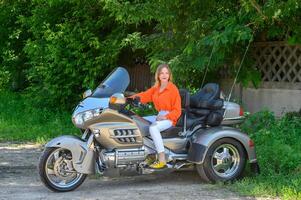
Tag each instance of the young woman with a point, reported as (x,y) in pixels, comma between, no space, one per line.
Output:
(167,101)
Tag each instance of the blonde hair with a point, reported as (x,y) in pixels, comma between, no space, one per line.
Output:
(158,71)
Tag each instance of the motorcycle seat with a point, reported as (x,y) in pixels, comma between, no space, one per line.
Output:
(175,130)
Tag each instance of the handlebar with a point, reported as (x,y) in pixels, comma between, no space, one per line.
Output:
(136,102)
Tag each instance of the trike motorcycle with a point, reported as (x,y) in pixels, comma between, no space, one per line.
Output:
(115,138)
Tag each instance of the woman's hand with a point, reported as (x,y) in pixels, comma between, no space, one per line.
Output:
(160,118)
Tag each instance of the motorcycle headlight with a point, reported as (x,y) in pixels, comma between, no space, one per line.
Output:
(87,115)
(81,118)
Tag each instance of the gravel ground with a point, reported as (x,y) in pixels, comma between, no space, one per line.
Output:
(19,180)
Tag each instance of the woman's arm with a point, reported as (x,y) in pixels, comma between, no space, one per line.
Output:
(176,107)
(146,96)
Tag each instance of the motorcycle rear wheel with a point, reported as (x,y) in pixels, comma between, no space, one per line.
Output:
(56,170)
(225,161)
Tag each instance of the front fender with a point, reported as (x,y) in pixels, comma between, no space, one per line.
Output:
(83,157)
(202,139)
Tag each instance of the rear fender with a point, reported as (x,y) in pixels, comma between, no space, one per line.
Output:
(82,156)
(202,139)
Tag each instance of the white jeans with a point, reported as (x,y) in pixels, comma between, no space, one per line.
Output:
(155,129)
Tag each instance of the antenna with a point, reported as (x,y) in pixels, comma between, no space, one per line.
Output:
(240,66)
(203,81)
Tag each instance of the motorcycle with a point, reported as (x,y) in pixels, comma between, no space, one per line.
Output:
(115,138)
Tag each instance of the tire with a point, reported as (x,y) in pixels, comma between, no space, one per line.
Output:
(46,177)
(225,161)
(202,174)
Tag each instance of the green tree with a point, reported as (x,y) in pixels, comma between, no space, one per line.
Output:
(13,62)
(185,32)
(55,49)
(74,44)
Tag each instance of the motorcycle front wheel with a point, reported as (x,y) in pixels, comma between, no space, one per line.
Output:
(56,170)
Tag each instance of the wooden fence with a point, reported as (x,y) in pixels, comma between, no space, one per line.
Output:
(141,77)
(278,61)
(280,67)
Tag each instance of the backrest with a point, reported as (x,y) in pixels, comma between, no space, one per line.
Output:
(185,102)
(185,98)
(209,92)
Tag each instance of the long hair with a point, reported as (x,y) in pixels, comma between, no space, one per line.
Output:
(159,69)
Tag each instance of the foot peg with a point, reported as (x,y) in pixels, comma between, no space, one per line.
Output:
(146,170)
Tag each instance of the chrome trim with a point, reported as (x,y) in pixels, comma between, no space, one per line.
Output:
(116,157)
(90,142)
(225,160)
(85,134)
(122,157)
(234,118)
(123,136)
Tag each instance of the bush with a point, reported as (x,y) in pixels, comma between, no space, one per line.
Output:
(75,44)
(257,122)
(277,146)
(278,150)
(57,49)
(13,36)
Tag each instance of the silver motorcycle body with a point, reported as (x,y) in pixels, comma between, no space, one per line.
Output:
(115,138)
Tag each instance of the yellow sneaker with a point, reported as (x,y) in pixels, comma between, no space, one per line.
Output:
(158,165)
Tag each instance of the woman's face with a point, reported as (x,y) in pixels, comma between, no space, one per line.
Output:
(164,75)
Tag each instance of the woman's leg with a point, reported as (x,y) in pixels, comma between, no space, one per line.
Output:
(155,130)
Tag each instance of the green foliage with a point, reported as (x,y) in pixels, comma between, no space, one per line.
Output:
(74,45)
(285,187)
(21,121)
(147,110)
(55,49)
(185,32)
(291,115)
(4,79)
(257,122)
(13,62)
(278,150)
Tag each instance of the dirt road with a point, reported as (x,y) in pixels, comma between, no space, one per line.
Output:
(19,180)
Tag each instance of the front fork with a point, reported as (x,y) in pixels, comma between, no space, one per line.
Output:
(89,137)
(86,134)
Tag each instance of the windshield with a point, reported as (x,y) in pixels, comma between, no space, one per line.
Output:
(116,82)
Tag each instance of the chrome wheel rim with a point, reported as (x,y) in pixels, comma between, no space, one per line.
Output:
(225,160)
(59,169)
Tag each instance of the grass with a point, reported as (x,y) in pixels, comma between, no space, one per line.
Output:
(286,187)
(22,121)
(278,150)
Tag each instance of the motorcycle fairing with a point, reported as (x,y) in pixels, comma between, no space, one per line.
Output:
(91,103)
(83,158)
(116,82)
(202,139)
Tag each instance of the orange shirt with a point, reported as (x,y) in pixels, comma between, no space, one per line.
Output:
(169,100)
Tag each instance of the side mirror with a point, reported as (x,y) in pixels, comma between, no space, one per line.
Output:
(117,98)
(117,101)
(87,93)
